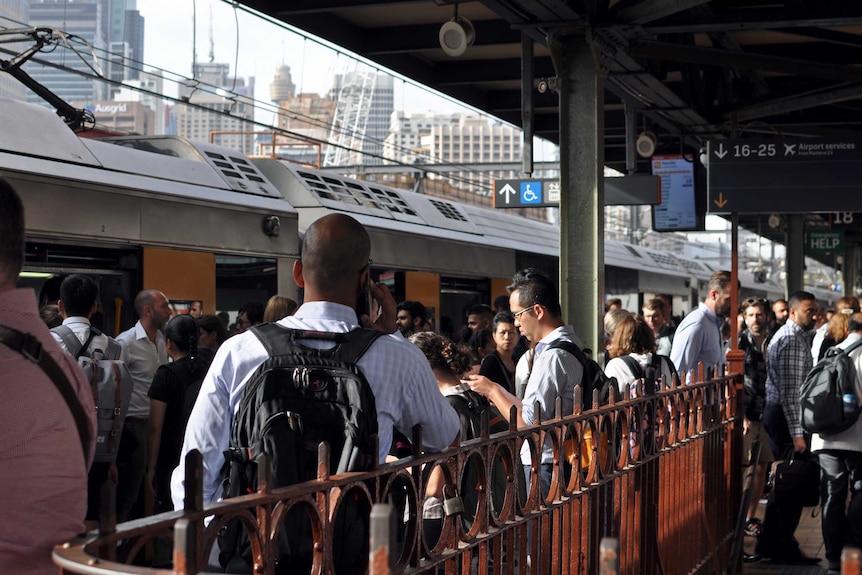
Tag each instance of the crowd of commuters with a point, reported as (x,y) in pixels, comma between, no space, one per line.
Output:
(189,372)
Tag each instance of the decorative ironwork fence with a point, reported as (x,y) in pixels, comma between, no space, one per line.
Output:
(660,474)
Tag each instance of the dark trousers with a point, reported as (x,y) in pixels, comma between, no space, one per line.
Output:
(781,517)
(841,525)
(132,469)
(546,473)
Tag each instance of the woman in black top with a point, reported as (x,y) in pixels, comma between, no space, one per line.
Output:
(499,366)
(172,395)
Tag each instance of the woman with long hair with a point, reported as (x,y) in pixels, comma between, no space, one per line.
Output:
(835,331)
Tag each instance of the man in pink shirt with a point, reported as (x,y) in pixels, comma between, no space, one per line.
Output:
(42,469)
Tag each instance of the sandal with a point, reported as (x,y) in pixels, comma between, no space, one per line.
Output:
(753,527)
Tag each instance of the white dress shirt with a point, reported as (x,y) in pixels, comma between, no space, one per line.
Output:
(404,387)
(143,358)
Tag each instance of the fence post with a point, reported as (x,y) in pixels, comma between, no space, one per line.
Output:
(382,554)
(609,556)
(850,559)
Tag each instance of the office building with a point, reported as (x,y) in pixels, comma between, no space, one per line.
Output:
(222,106)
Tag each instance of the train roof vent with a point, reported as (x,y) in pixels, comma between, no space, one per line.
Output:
(392,200)
(663,259)
(692,266)
(378,200)
(449,211)
(633,251)
(239,173)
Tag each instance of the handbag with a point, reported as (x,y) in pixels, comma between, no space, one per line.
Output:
(796,480)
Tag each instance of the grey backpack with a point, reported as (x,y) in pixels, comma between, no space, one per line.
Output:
(111,384)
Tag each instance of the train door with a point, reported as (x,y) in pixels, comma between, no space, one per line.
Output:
(457,295)
(114,269)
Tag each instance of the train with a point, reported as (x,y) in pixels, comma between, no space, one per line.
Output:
(202,222)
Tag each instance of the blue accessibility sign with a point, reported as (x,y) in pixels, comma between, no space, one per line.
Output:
(531,192)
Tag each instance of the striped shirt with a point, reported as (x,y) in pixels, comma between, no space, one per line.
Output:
(405,392)
(788,361)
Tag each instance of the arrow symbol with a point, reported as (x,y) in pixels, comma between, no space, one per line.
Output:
(507,191)
(720,202)
(721,152)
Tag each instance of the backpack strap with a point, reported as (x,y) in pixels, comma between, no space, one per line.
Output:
(350,346)
(112,350)
(31,348)
(633,365)
(658,360)
(853,346)
(570,347)
(70,340)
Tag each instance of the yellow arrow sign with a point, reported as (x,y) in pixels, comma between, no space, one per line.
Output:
(720,202)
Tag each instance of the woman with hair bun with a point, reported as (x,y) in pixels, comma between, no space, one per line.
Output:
(450,362)
(172,395)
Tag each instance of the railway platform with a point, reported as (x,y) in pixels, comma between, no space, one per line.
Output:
(810,541)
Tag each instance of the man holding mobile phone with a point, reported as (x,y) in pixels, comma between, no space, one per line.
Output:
(334,272)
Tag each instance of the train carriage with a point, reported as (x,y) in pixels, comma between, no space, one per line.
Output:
(202,222)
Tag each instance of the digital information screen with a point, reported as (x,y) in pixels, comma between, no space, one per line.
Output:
(677,209)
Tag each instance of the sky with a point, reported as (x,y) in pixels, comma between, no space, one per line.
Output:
(171,26)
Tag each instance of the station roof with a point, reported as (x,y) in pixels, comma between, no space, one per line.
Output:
(693,69)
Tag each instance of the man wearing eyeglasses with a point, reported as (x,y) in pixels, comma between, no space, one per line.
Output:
(538,316)
(788,361)
(698,338)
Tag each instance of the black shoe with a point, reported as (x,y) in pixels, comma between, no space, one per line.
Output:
(795,559)
(750,557)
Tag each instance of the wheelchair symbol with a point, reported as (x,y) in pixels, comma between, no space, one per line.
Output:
(531,192)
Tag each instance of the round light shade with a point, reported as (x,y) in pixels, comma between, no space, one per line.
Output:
(646,144)
(456,35)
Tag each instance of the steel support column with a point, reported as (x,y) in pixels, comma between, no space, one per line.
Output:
(795,253)
(582,276)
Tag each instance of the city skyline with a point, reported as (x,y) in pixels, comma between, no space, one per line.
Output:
(264,46)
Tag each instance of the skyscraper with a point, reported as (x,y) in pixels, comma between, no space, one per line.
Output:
(308,115)
(114,35)
(365,101)
(226,103)
(83,19)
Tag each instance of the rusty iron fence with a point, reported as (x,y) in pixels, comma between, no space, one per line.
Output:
(659,474)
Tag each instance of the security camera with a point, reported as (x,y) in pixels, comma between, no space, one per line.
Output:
(546,84)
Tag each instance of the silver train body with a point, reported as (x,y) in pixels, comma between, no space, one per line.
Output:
(201,222)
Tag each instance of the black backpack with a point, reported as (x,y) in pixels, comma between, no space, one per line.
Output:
(821,394)
(296,399)
(471,406)
(593,377)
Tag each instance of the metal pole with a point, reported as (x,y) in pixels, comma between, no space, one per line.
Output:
(582,270)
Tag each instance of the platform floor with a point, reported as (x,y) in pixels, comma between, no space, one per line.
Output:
(810,540)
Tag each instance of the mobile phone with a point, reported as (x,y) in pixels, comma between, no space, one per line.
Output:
(365,301)
(369,298)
